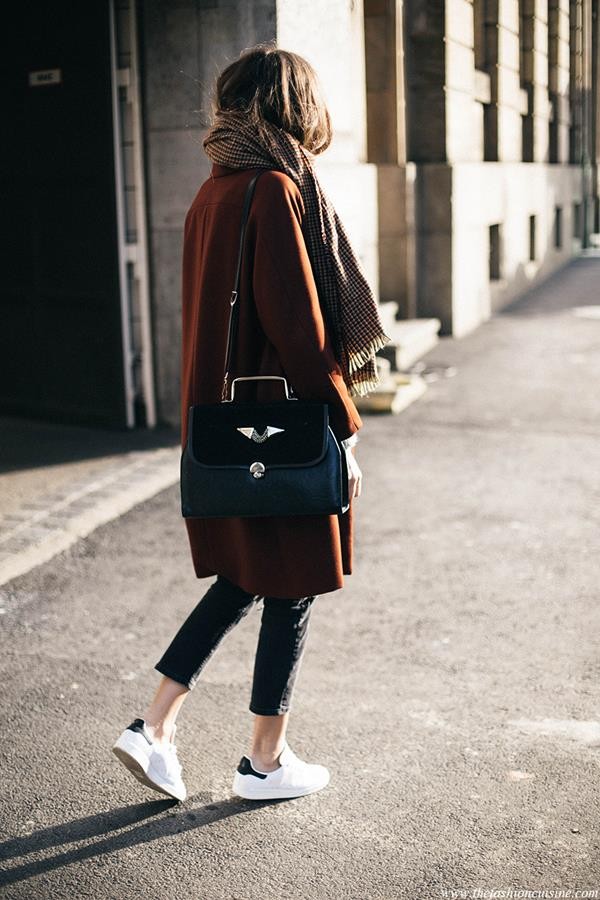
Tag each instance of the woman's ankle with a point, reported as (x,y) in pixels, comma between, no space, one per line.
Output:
(159,730)
(162,711)
(266,758)
(264,763)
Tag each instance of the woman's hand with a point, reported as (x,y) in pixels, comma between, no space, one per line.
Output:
(354,474)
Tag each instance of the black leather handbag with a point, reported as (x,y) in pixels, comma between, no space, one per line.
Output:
(278,458)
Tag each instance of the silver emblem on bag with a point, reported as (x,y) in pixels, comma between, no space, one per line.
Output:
(253,434)
(257,469)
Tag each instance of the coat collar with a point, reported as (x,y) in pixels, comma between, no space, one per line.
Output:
(218,170)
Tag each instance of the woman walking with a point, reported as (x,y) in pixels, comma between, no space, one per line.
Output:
(308,314)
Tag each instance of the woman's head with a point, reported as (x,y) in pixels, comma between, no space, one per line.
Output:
(279,87)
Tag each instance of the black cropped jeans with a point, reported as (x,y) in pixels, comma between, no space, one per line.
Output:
(281,642)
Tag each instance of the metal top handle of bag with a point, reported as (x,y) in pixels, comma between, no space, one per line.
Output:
(234,309)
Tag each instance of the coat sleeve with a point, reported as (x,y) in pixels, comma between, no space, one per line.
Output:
(288,305)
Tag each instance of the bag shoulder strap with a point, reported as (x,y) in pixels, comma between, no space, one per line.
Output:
(233,303)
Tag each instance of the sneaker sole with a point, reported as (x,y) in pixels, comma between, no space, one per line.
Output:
(135,765)
(276,794)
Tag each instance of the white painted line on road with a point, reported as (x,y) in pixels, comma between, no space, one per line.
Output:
(585,732)
(41,529)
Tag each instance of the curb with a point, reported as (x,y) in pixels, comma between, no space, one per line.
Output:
(39,530)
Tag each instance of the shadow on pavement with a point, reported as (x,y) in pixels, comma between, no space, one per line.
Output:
(28,443)
(159,826)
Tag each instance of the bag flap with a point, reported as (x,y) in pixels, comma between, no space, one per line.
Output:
(280,433)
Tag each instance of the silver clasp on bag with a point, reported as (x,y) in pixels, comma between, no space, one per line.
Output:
(257,378)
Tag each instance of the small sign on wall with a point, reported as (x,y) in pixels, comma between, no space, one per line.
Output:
(45,76)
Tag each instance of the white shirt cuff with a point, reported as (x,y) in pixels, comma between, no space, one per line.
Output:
(350,441)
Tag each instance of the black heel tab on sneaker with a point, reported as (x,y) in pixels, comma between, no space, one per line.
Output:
(138,725)
(245,768)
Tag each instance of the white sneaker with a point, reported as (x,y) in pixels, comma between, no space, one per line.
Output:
(293,778)
(153,763)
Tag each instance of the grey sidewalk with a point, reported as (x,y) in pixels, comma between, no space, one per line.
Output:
(60,482)
(451,687)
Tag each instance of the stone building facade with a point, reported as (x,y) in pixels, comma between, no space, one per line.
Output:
(467,129)
(185,45)
(464,165)
(494,124)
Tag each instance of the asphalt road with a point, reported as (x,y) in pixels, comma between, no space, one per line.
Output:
(451,687)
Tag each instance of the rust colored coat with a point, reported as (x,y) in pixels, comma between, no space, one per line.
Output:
(281,332)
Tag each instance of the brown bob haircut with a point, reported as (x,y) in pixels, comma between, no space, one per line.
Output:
(279,87)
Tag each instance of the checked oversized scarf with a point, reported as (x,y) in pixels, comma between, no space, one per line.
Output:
(349,309)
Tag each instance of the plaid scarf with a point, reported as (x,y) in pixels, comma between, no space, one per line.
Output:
(349,309)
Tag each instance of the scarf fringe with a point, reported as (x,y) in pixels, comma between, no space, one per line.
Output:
(362,387)
(361,357)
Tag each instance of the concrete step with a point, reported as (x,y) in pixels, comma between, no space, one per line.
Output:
(396,391)
(388,312)
(395,398)
(411,339)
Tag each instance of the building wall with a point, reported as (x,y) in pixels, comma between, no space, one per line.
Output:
(184,46)
(386,148)
(459,128)
(500,83)
(507,194)
(336,50)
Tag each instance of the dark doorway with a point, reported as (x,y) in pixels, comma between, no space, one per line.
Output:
(61,354)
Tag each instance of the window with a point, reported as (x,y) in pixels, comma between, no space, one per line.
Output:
(558,227)
(532,241)
(526,62)
(577,220)
(554,15)
(495,253)
(485,52)
(479,15)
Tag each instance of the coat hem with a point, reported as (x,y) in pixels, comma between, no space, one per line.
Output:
(309,591)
